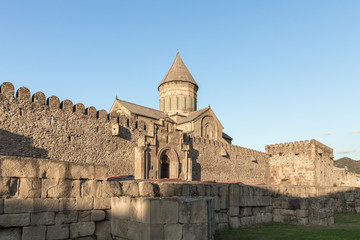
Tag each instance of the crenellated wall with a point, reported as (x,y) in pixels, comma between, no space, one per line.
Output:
(49,128)
(222,162)
(301,163)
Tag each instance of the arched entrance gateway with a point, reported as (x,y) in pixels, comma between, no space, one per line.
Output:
(168,163)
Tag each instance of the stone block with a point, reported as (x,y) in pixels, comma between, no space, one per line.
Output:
(18,205)
(160,211)
(198,211)
(234,222)
(10,233)
(43,218)
(103,230)
(246,211)
(18,167)
(84,216)
(15,220)
(217,203)
(246,221)
(60,188)
(111,189)
(9,187)
(146,189)
(233,211)
(121,208)
(195,232)
(90,188)
(167,189)
(51,169)
(30,188)
(1,206)
(67,204)
(81,171)
(185,190)
(234,195)
(119,227)
(97,215)
(82,229)
(102,203)
(84,203)
(46,205)
(66,217)
(173,231)
(55,232)
(101,172)
(224,196)
(31,233)
(301,213)
(200,189)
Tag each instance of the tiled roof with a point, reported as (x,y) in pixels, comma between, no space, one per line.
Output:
(178,72)
(193,115)
(143,111)
(224,135)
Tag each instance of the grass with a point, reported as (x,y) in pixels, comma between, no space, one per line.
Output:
(347,226)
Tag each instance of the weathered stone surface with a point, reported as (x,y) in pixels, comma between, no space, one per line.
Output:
(18,167)
(1,206)
(46,205)
(67,204)
(15,220)
(97,215)
(90,188)
(146,189)
(30,188)
(100,172)
(82,229)
(119,227)
(111,189)
(81,171)
(234,222)
(84,203)
(55,232)
(60,188)
(84,216)
(103,230)
(43,218)
(162,211)
(9,187)
(51,169)
(10,233)
(173,231)
(198,211)
(130,188)
(31,233)
(66,217)
(18,205)
(102,203)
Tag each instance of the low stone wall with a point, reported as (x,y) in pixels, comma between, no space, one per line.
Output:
(304,211)
(242,205)
(44,199)
(173,218)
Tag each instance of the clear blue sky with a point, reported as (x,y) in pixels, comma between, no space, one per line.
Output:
(273,71)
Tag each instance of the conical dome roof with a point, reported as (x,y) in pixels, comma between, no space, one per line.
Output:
(178,72)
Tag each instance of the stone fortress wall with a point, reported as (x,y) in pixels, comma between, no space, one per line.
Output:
(236,164)
(47,128)
(301,163)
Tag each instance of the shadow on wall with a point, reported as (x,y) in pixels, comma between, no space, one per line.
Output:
(17,145)
(196,167)
(124,133)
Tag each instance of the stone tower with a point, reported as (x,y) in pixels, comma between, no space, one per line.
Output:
(178,90)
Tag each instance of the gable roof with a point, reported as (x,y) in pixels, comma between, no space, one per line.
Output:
(141,110)
(193,115)
(178,72)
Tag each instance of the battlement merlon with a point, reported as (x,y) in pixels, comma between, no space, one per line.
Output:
(297,146)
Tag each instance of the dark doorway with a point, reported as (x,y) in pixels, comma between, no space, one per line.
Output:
(164,167)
